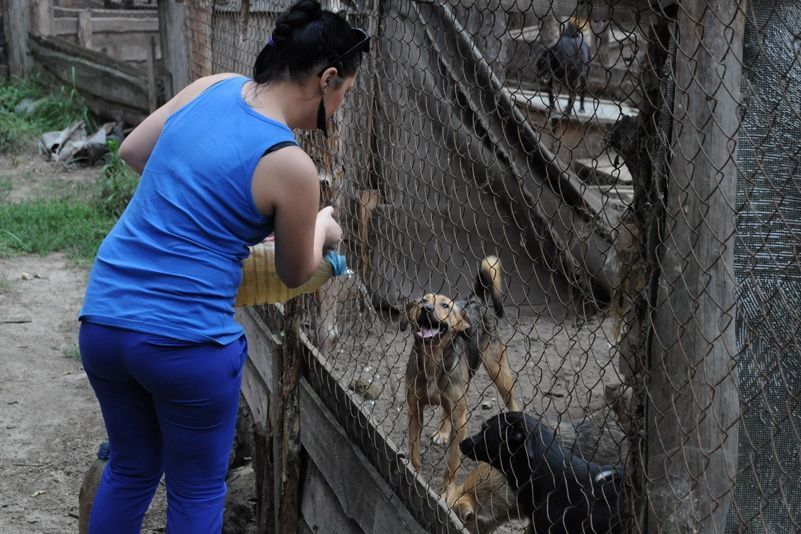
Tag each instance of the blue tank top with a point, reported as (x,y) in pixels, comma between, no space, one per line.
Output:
(172,264)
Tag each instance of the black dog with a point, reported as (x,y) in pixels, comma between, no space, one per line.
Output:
(562,493)
(568,62)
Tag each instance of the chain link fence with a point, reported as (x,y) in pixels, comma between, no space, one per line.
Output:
(633,166)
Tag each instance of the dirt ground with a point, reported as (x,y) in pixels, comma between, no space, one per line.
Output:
(50,420)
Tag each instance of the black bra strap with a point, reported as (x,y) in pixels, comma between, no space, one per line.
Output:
(279,146)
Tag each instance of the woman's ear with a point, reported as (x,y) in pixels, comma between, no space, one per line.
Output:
(328,77)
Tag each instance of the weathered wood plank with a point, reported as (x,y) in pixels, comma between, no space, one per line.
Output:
(112,88)
(692,423)
(286,422)
(264,466)
(257,395)
(42,15)
(320,507)
(71,25)
(360,492)
(63,11)
(366,433)
(262,344)
(16,21)
(174,46)
(85,29)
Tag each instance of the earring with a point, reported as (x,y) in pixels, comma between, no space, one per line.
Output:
(322,124)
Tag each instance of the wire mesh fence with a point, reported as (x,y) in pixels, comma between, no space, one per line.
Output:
(628,174)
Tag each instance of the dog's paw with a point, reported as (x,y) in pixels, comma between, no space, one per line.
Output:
(441,438)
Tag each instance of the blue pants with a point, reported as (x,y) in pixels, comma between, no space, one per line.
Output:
(170,407)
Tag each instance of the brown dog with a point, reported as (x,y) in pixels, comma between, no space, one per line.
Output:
(484,501)
(452,338)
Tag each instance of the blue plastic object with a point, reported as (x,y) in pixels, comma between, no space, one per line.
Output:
(103,451)
(337,262)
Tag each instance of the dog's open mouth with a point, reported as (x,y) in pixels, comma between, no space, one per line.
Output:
(430,331)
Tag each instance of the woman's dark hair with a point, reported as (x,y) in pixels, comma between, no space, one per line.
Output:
(306,39)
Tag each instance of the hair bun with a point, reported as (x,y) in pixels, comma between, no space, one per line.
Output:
(299,15)
(310,8)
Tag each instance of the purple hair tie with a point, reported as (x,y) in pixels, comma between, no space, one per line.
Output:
(270,42)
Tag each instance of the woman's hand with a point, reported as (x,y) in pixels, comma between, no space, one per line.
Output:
(329,228)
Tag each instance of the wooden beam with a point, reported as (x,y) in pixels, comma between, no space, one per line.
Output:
(174,47)
(692,419)
(356,487)
(381,452)
(42,11)
(286,421)
(71,25)
(368,442)
(264,466)
(112,88)
(85,29)
(16,23)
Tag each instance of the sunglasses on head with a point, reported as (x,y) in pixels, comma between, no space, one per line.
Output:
(363,45)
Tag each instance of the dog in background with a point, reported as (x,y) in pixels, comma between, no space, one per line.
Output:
(560,492)
(485,501)
(452,338)
(566,62)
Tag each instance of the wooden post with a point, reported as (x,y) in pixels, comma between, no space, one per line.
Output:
(286,421)
(174,46)
(16,23)
(692,418)
(152,75)
(85,28)
(42,12)
(264,466)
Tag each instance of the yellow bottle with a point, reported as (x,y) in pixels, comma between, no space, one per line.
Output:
(261,284)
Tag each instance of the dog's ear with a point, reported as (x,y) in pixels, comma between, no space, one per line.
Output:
(463,323)
(407,315)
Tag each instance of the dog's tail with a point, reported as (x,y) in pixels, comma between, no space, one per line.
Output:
(489,284)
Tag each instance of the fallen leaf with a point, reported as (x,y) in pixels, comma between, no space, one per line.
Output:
(37,493)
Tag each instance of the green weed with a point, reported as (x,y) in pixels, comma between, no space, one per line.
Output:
(5,188)
(73,352)
(54,110)
(117,185)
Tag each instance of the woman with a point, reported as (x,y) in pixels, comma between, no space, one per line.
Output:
(220,171)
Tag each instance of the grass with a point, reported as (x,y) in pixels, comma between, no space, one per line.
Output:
(54,110)
(76,223)
(117,185)
(73,225)
(5,188)
(45,226)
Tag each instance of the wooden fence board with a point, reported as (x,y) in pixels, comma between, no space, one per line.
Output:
(369,444)
(112,88)
(361,493)
(70,25)
(382,453)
